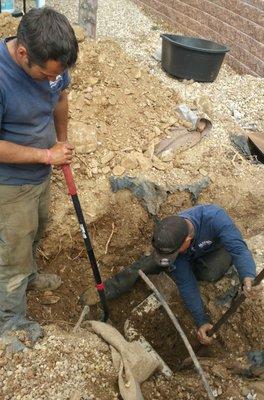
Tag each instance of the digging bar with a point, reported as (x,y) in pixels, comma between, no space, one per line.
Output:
(235,304)
(180,331)
(225,317)
(66,169)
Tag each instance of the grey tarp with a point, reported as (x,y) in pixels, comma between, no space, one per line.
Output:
(154,195)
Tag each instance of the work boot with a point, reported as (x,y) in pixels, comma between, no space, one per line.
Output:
(122,282)
(45,282)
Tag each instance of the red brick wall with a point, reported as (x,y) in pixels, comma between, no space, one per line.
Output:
(236,23)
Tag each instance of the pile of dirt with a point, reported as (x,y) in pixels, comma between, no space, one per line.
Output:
(116,116)
(187,385)
(118,113)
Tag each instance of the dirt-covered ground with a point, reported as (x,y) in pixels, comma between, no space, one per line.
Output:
(119,110)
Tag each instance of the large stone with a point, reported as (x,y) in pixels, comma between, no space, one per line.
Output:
(167,155)
(80,102)
(203,172)
(205,105)
(106,170)
(79,33)
(151,135)
(118,170)
(107,157)
(83,136)
(138,74)
(157,130)
(149,153)
(129,162)
(144,163)
(93,80)
(158,164)
(88,96)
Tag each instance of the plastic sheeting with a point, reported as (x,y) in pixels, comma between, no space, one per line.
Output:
(153,195)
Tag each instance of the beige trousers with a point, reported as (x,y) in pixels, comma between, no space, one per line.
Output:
(23,218)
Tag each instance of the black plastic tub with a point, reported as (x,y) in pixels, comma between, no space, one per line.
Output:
(192,58)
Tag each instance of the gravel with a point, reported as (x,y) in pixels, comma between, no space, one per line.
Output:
(233,98)
(70,364)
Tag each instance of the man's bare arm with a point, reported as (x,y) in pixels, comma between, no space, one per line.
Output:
(11,153)
(61,117)
(60,153)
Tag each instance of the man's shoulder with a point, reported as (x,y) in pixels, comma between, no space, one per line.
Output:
(202,210)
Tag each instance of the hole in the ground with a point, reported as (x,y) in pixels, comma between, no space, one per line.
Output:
(133,228)
(256,146)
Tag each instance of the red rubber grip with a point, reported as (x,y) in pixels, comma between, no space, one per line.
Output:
(66,169)
(100,286)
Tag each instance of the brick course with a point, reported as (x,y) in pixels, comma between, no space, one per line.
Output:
(239,24)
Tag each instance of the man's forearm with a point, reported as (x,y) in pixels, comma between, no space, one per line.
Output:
(189,290)
(11,153)
(61,117)
(193,302)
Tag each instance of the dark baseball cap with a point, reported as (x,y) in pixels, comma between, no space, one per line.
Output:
(169,234)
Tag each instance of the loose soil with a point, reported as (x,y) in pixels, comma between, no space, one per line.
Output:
(118,112)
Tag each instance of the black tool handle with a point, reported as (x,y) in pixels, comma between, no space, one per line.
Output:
(236,303)
(232,309)
(88,245)
(200,348)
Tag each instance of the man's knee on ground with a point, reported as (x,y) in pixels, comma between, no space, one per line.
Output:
(212,266)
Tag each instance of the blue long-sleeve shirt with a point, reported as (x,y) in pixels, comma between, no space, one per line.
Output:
(212,227)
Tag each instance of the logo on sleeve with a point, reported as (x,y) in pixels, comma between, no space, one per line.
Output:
(205,243)
(56,83)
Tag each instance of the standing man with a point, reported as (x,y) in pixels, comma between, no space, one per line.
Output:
(33,137)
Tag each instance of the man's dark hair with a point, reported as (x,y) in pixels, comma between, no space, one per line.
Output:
(48,35)
(170,233)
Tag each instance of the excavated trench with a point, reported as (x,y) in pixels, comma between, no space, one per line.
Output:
(120,237)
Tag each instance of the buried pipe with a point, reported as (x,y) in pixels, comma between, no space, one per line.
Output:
(181,333)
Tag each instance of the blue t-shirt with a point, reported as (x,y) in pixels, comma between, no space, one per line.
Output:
(213,228)
(26,116)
